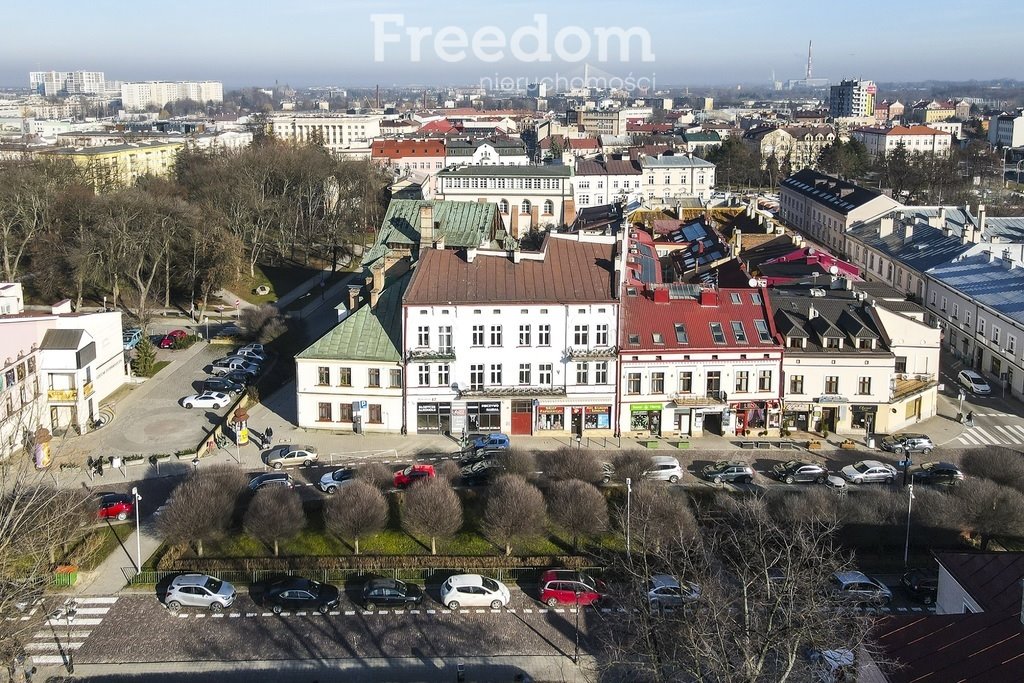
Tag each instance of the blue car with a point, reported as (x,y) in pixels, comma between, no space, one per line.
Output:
(493,440)
(131,338)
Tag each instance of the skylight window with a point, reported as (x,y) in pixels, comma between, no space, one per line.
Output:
(762,331)
(681,336)
(717,333)
(739,332)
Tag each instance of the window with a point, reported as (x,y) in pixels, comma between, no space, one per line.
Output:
(478,335)
(476,377)
(444,339)
(995,335)
(735,298)
(981,327)
(544,374)
(601,335)
(324,412)
(685,382)
(739,332)
(496,373)
(681,336)
(324,374)
(444,375)
(375,414)
(524,373)
(657,382)
(525,206)
(373,379)
(996,366)
(633,383)
(581,335)
(345,411)
(901,365)
(582,373)
(344,377)
(864,386)
(549,207)
(967,316)
(763,335)
(717,333)
(495,335)
(764,380)
(956,311)
(544,335)
(1011,344)
(832,343)
(503,204)
(742,381)
(524,335)
(601,372)
(423,375)
(423,336)
(796,384)
(943,307)
(755,298)
(714,382)
(832,384)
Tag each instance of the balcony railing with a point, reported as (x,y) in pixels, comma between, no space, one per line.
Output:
(430,354)
(62,394)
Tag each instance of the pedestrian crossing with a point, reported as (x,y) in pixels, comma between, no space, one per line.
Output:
(61,635)
(992,435)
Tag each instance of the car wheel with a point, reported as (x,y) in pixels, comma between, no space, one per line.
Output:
(820,480)
(371,607)
(453,605)
(789,479)
(888,480)
(717,480)
(276,609)
(926,451)
(927,599)
(746,480)
(216,607)
(332,490)
(496,604)
(307,463)
(673,479)
(884,602)
(324,609)
(277,465)
(189,406)
(858,480)
(174,605)
(551,602)
(898,450)
(121,516)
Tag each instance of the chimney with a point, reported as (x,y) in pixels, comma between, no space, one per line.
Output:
(470,254)
(981,221)
(377,270)
(967,237)
(812,312)
(353,297)
(661,295)
(942,215)
(908,232)
(439,242)
(708,297)
(426,226)
(738,235)
(885,226)
(1007,263)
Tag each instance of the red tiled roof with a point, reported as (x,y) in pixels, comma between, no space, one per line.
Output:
(441,126)
(399,149)
(583,143)
(571,272)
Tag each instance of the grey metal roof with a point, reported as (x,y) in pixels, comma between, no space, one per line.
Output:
(837,314)
(62,340)
(988,282)
(927,248)
(509,171)
(839,195)
(674,161)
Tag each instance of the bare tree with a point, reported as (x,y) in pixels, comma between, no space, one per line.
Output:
(202,507)
(377,475)
(261,323)
(515,510)
(363,510)
(632,465)
(432,508)
(1001,465)
(659,519)
(521,462)
(570,463)
(446,470)
(990,509)
(579,508)
(274,515)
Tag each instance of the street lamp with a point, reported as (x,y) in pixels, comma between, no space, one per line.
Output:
(138,532)
(69,614)
(206,319)
(910,506)
(629,495)
(576,652)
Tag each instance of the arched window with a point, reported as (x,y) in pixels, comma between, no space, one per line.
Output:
(549,207)
(525,206)
(503,206)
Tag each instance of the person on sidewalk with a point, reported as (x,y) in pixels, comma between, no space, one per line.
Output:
(268,437)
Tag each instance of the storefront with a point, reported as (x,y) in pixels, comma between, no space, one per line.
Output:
(551,418)
(756,417)
(522,416)
(483,416)
(645,417)
(597,417)
(796,417)
(863,417)
(433,418)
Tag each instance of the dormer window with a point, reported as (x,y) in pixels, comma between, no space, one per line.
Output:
(634,339)
(833,343)
(658,338)
(866,344)
(681,336)
(795,342)
(717,333)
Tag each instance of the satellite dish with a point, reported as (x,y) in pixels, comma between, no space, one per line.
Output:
(752,282)
(810,251)
(833,270)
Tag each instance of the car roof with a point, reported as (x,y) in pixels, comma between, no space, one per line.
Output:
(940,466)
(972,374)
(664,460)
(466,580)
(910,435)
(851,576)
(664,581)
(873,463)
(382,583)
(190,580)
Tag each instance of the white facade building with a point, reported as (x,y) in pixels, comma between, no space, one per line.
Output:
(596,183)
(667,177)
(915,139)
(339,132)
(1007,130)
(51,83)
(140,95)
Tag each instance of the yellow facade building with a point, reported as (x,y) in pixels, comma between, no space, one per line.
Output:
(115,166)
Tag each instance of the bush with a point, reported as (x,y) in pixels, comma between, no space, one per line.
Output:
(185,342)
(261,323)
(1001,465)
(521,462)
(446,470)
(570,463)
(631,465)
(377,475)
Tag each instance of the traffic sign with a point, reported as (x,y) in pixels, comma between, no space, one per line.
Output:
(362,405)
(237,303)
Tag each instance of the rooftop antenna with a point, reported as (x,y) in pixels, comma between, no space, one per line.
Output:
(810,44)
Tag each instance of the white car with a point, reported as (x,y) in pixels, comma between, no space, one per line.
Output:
(973,382)
(258,348)
(251,355)
(473,590)
(207,399)
(664,468)
(666,592)
(870,471)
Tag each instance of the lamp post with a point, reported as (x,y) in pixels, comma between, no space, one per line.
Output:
(138,531)
(576,651)
(910,507)
(629,495)
(69,615)
(206,320)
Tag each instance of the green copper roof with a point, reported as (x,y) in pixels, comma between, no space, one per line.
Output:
(369,334)
(463,224)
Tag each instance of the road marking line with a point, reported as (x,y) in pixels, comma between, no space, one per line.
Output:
(901,609)
(606,610)
(93,610)
(217,616)
(365,612)
(73,645)
(480,611)
(267,614)
(916,609)
(45,660)
(559,610)
(414,611)
(511,610)
(183,616)
(348,613)
(200,616)
(1010,435)
(90,621)
(96,601)
(251,614)
(527,611)
(541,611)
(235,615)
(988,438)
(431,611)
(383,611)
(48,635)
(300,614)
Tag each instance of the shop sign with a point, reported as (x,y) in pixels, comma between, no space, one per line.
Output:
(832,398)
(550,410)
(644,407)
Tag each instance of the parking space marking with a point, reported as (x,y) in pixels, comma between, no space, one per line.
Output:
(48,660)
(348,613)
(219,615)
(431,611)
(250,614)
(60,621)
(235,615)
(96,601)
(200,616)
(183,616)
(266,614)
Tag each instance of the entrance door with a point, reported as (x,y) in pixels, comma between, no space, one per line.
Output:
(828,419)
(713,423)
(980,358)
(577,421)
(655,422)
(522,417)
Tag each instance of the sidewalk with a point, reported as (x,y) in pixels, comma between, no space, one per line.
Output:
(109,578)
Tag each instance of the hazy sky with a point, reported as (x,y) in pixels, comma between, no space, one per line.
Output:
(314,42)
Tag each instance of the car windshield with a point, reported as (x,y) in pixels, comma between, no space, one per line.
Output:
(491,585)
(341,475)
(213,585)
(407,471)
(588,580)
(793,464)
(861,467)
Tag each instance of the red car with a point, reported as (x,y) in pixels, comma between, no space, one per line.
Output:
(561,586)
(171,337)
(412,474)
(115,506)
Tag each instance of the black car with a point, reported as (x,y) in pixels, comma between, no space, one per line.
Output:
(922,585)
(270,479)
(724,470)
(240,377)
(480,473)
(796,472)
(480,455)
(301,594)
(938,474)
(225,386)
(390,593)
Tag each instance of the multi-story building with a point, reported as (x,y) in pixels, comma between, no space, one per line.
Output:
(1007,130)
(528,197)
(520,343)
(51,83)
(425,156)
(914,139)
(140,95)
(115,166)
(337,132)
(486,152)
(852,98)
(668,177)
(889,111)
(800,146)
(928,111)
(606,121)
(597,182)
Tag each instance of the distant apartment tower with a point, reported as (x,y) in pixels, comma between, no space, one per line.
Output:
(140,95)
(1007,130)
(852,98)
(538,89)
(52,83)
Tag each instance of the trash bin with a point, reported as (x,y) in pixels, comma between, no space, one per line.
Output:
(869,442)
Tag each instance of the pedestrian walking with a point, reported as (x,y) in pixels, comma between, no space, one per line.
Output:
(269,434)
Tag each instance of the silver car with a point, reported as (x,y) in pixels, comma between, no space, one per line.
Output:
(290,456)
(199,590)
(667,592)
(870,471)
(332,481)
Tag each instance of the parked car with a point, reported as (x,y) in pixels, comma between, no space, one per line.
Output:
(568,586)
(869,472)
(859,588)
(938,474)
(254,356)
(290,456)
(199,590)
(257,363)
(259,348)
(115,505)
(973,382)
(481,454)
(222,366)
(667,592)
(907,443)
(664,468)
(224,386)
(271,479)
(728,470)
(240,377)
(301,594)
(390,593)
(332,481)
(492,440)
(131,337)
(207,399)
(412,474)
(832,666)
(797,472)
(473,590)
(480,473)
(171,337)
(921,585)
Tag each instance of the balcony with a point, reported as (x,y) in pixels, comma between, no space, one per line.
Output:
(426,355)
(584,353)
(62,395)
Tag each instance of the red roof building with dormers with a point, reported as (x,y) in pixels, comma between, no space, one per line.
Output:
(424,155)
(694,360)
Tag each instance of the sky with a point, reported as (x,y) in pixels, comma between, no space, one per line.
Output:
(339,42)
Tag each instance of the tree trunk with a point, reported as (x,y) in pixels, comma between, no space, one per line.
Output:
(167,280)
(357,545)
(508,549)
(275,548)
(199,547)
(433,545)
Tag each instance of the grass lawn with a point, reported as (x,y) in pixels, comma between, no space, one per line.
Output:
(158,366)
(89,552)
